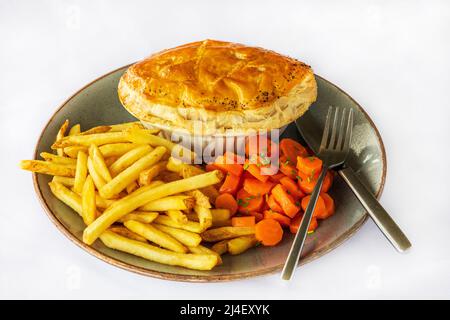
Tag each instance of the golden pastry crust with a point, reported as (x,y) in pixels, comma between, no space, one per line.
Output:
(219,87)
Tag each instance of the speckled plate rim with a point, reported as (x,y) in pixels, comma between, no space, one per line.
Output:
(193,278)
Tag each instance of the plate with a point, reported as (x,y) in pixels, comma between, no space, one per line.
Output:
(97,104)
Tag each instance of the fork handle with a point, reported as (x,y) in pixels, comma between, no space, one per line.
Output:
(381,218)
(299,240)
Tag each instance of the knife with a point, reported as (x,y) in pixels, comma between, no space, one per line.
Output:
(308,130)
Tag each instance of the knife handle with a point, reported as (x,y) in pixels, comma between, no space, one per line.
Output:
(381,218)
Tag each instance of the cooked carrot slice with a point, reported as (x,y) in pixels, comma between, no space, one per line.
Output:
(329,204)
(320,209)
(212,167)
(226,201)
(258,216)
(307,183)
(259,146)
(230,185)
(269,232)
(286,201)
(273,204)
(243,221)
(292,188)
(287,168)
(295,223)
(291,149)
(224,165)
(248,202)
(281,218)
(256,187)
(277,177)
(309,165)
(255,171)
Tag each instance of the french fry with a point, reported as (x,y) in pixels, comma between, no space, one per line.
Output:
(204,250)
(241,244)
(139,198)
(222,223)
(174,165)
(65,181)
(100,139)
(141,216)
(146,176)
(88,206)
(177,216)
(219,215)
(191,216)
(132,187)
(170,203)
(130,174)
(99,163)
(204,216)
(200,198)
(222,233)
(99,129)
(150,252)
(110,160)
(76,129)
(155,235)
(187,171)
(220,247)
(98,180)
(168,176)
(81,172)
(189,225)
(57,159)
(49,168)
(124,232)
(72,151)
(116,149)
(103,203)
(67,196)
(61,132)
(128,159)
(185,237)
(126,126)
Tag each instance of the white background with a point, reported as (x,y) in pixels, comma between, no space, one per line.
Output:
(391,56)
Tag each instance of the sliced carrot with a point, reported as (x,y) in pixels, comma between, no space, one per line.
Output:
(258,146)
(255,171)
(248,202)
(228,163)
(273,204)
(291,149)
(227,201)
(295,223)
(319,210)
(286,201)
(287,168)
(277,177)
(281,218)
(309,165)
(256,187)
(329,204)
(292,187)
(258,215)
(230,185)
(248,221)
(269,232)
(212,167)
(307,183)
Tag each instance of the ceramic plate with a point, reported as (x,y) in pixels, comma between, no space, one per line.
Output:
(97,104)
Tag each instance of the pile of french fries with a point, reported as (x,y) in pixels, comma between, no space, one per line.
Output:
(135,194)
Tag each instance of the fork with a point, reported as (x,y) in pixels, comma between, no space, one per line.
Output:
(333,151)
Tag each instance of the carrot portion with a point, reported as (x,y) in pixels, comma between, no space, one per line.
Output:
(273,204)
(258,216)
(285,200)
(224,165)
(212,167)
(247,202)
(254,170)
(329,204)
(292,187)
(248,221)
(256,187)
(268,232)
(295,223)
(320,209)
(230,185)
(291,149)
(258,146)
(227,201)
(282,219)
(309,165)
(287,168)
(307,183)
(277,177)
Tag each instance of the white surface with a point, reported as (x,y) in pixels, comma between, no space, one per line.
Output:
(393,58)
